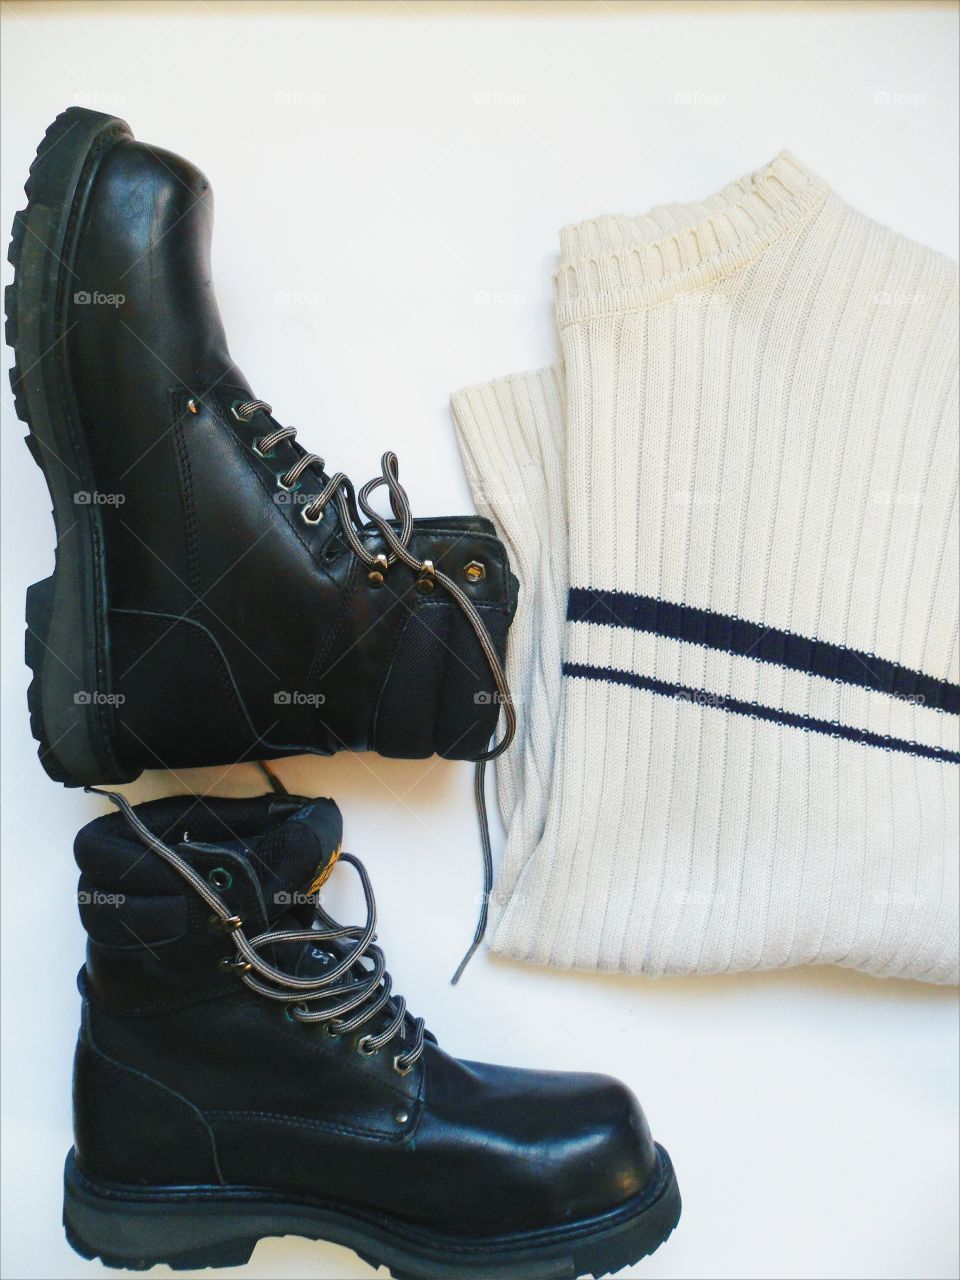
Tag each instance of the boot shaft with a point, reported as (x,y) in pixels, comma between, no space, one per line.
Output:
(152,941)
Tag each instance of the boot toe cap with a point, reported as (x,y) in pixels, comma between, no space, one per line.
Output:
(602,1154)
(549,1148)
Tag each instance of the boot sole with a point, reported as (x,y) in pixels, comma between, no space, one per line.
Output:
(214,1226)
(67,646)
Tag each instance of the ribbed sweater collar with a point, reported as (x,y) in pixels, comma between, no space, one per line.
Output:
(616,262)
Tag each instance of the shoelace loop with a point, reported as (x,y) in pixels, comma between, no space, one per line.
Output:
(344,999)
(339,489)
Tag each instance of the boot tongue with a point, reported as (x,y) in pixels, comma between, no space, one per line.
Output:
(294,858)
(292,861)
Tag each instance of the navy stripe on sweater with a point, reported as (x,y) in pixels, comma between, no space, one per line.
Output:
(758,711)
(763,644)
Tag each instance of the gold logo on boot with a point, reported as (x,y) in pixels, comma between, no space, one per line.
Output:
(323,875)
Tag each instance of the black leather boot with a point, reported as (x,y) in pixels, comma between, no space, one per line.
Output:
(217,594)
(244,1069)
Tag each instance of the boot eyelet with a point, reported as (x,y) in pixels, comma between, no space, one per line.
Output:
(318,953)
(363,1048)
(425,583)
(401,1071)
(220,878)
(229,965)
(290,1011)
(308,519)
(288,488)
(329,1032)
(219,925)
(239,416)
(268,456)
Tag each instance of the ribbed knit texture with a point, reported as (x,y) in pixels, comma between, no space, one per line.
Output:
(746,471)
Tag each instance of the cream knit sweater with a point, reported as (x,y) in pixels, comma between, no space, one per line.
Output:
(733,512)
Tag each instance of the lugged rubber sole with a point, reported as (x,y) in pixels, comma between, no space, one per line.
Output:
(66,644)
(213,1226)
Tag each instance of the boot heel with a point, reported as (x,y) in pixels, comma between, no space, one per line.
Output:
(39,610)
(135,1228)
(66,640)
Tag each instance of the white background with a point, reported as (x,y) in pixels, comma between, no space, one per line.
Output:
(390,179)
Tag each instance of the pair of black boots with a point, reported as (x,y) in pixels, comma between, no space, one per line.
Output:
(244,1067)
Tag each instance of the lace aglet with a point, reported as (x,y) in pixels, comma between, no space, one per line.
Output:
(471,951)
(487,870)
